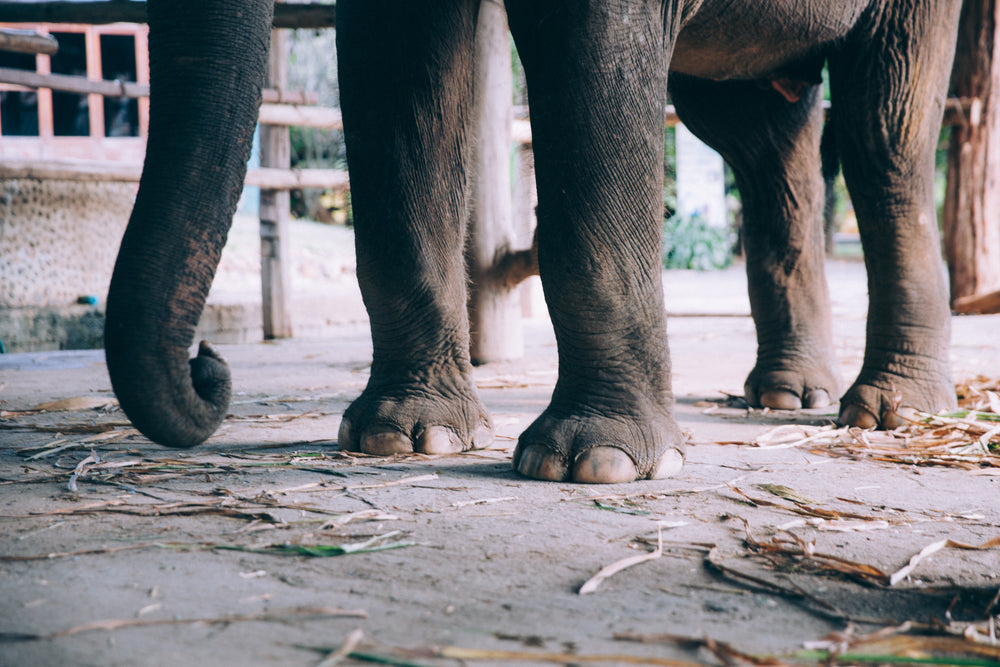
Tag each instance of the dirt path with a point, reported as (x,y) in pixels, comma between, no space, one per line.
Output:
(226,554)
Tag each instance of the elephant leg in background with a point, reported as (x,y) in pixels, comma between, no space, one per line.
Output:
(887,110)
(406,74)
(596,85)
(772,146)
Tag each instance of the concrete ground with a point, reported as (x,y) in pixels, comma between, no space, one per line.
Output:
(115,551)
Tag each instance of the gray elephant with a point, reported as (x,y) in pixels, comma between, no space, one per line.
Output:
(744,76)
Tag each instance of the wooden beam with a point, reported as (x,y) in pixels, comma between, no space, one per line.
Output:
(88,171)
(301,116)
(298,179)
(297,15)
(273,99)
(101,171)
(27,41)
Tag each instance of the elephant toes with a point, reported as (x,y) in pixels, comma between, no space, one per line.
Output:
(790,390)
(591,450)
(890,404)
(410,420)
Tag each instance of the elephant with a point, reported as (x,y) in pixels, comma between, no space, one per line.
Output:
(744,76)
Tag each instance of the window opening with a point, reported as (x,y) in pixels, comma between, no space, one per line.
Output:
(70,111)
(18,109)
(121,114)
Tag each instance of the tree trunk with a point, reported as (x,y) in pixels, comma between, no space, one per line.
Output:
(207,63)
(971,218)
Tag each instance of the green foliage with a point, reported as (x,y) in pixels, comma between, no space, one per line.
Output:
(689,243)
(669,172)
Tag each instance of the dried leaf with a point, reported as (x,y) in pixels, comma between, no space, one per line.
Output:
(591,584)
(349,644)
(933,548)
(460,653)
(377,543)
(787,493)
(276,615)
(77,404)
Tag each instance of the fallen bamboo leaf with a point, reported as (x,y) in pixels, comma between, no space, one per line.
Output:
(377,543)
(782,491)
(405,480)
(965,438)
(362,515)
(713,560)
(482,501)
(104,550)
(363,656)
(727,654)
(591,584)
(806,510)
(316,551)
(933,548)
(76,404)
(65,429)
(81,468)
(635,511)
(350,642)
(459,653)
(892,646)
(110,625)
(849,525)
(904,572)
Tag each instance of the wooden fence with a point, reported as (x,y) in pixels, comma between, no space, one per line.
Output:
(281,109)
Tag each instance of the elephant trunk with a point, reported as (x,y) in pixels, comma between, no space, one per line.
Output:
(207,66)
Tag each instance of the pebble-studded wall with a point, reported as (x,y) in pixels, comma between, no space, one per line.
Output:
(59,240)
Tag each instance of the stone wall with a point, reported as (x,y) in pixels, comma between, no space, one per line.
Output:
(58,243)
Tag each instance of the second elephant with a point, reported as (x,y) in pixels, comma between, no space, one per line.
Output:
(744,75)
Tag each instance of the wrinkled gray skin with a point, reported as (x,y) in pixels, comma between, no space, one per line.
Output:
(743,77)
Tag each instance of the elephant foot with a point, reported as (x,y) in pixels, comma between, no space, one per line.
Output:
(888,401)
(427,418)
(581,446)
(791,386)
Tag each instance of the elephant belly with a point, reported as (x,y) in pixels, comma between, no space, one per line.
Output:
(762,39)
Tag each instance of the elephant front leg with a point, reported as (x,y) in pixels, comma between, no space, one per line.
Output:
(888,98)
(773,147)
(406,90)
(596,86)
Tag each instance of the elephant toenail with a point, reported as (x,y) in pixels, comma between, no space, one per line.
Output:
(439,440)
(670,464)
(817,398)
(483,437)
(386,443)
(345,439)
(780,399)
(604,465)
(540,462)
(855,415)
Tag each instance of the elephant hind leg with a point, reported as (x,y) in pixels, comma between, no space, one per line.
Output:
(772,146)
(888,98)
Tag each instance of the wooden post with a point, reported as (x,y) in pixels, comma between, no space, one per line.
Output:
(971,217)
(275,152)
(494,310)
